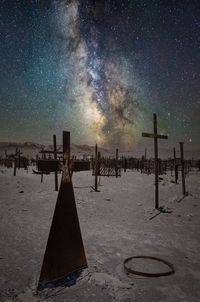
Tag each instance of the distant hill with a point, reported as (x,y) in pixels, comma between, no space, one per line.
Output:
(31,149)
(28,148)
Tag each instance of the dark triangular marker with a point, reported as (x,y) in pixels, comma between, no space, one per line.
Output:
(64,251)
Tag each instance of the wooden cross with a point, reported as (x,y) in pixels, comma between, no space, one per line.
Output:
(64,251)
(50,165)
(18,153)
(117,156)
(182,168)
(175,166)
(155,136)
(55,164)
(96,168)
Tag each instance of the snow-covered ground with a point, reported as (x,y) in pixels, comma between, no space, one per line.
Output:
(115,223)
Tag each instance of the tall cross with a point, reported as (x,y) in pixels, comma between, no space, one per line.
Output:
(182,168)
(17,160)
(155,136)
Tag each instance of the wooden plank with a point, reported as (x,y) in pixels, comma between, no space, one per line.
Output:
(151,135)
(81,165)
(50,152)
(144,134)
(48,165)
(162,136)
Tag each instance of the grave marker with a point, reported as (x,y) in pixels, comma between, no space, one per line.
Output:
(64,251)
(117,152)
(145,154)
(175,167)
(182,168)
(96,168)
(17,160)
(155,136)
(48,164)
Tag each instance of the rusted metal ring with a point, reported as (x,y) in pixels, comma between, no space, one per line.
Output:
(166,273)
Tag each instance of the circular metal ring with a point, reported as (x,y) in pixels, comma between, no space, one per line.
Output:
(166,273)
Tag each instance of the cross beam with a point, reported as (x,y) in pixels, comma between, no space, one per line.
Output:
(182,168)
(50,152)
(152,135)
(155,136)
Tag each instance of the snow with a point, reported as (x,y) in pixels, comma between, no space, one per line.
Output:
(115,224)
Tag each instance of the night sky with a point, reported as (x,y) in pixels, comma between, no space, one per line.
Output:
(100,69)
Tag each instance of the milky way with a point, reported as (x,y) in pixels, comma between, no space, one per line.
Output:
(99,69)
(101,86)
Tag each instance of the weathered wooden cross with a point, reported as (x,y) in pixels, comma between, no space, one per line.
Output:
(18,153)
(50,165)
(175,167)
(155,136)
(64,251)
(96,168)
(182,168)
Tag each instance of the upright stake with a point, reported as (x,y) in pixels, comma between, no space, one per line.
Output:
(98,165)
(156,160)
(55,157)
(15,162)
(96,168)
(125,164)
(66,146)
(117,152)
(15,166)
(145,154)
(182,168)
(175,167)
(19,159)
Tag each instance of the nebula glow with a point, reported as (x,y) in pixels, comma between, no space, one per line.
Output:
(101,88)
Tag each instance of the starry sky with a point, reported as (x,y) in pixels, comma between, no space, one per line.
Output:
(100,69)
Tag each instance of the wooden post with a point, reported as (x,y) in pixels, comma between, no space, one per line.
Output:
(98,165)
(155,136)
(96,169)
(15,162)
(55,157)
(66,146)
(182,168)
(145,154)
(175,167)
(15,166)
(156,160)
(117,152)
(43,154)
(125,164)
(19,159)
